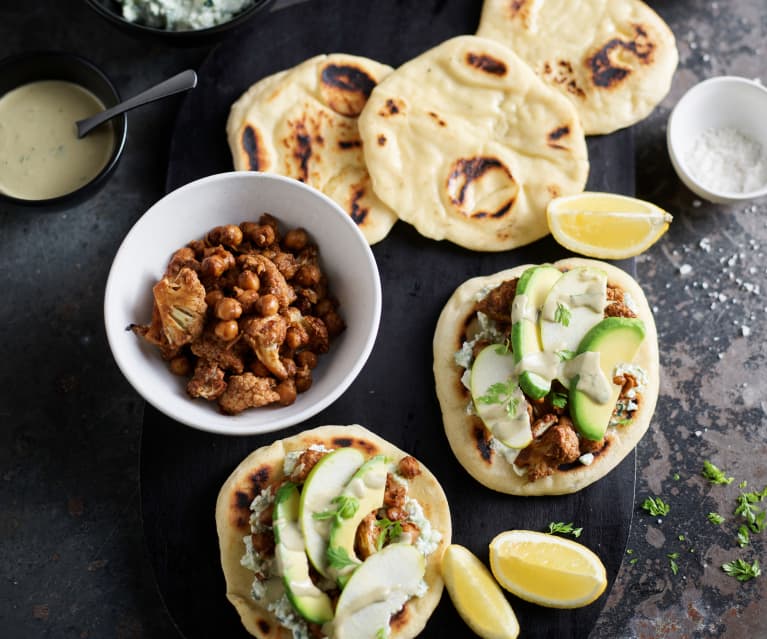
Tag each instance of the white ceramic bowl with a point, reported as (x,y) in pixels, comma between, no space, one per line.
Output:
(230,198)
(726,102)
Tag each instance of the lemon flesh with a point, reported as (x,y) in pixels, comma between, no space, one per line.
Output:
(606,225)
(548,570)
(477,596)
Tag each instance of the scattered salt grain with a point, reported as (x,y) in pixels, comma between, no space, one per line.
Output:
(685,269)
(726,160)
(745,330)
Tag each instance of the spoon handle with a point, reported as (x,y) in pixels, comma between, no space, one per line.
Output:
(181,82)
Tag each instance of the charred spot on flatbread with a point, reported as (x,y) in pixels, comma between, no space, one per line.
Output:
(345,145)
(257,159)
(399,620)
(563,75)
(381,139)
(357,212)
(437,119)
(391,107)
(482,440)
(264,626)
(365,446)
(474,183)
(554,136)
(486,63)
(614,61)
(261,478)
(345,88)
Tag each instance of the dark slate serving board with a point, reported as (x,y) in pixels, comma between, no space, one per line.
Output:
(182,469)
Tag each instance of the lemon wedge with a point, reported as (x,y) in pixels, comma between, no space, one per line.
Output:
(545,569)
(477,596)
(606,225)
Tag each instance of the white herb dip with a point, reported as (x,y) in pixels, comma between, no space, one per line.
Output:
(40,154)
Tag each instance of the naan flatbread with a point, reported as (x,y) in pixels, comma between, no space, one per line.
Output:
(264,467)
(471,441)
(302,123)
(466,144)
(613,60)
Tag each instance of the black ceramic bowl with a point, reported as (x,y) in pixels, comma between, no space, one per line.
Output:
(21,69)
(111,11)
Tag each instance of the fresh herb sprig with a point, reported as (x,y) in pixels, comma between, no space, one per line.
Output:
(656,507)
(339,558)
(565,529)
(742,570)
(345,508)
(562,315)
(714,474)
(390,530)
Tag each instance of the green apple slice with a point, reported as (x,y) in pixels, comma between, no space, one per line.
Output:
(292,565)
(574,304)
(533,287)
(616,340)
(498,399)
(323,485)
(376,590)
(367,486)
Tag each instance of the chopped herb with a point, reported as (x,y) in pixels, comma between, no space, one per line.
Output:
(715,518)
(565,355)
(560,527)
(656,506)
(497,393)
(390,530)
(558,400)
(681,538)
(381,633)
(672,561)
(505,348)
(743,484)
(629,551)
(743,536)
(338,558)
(634,560)
(714,474)
(562,315)
(511,407)
(345,509)
(742,570)
(755,517)
(676,476)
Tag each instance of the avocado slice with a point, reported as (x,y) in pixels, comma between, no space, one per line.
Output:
(367,487)
(376,590)
(498,399)
(574,304)
(532,288)
(323,485)
(308,600)
(616,340)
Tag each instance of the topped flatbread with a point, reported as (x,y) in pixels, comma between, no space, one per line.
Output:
(346,479)
(466,144)
(613,60)
(547,376)
(302,123)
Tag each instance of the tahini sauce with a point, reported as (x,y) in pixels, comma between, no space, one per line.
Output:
(40,154)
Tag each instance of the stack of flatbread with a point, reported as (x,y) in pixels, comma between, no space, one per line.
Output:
(472,139)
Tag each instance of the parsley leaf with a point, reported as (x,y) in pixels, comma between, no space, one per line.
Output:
(715,518)
(345,509)
(565,355)
(743,537)
(338,558)
(381,633)
(560,527)
(742,570)
(558,400)
(755,517)
(714,474)
(562,315)
(656,506)
(497,393)
(390,530)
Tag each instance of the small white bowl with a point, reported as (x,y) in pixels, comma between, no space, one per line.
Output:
(188,213)
(726,102)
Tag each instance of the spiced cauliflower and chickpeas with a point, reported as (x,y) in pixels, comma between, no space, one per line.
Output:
(244,313)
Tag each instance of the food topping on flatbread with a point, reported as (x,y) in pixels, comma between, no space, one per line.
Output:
(613,60)
(545,377)
(302,122)
(465,143)
(339,541)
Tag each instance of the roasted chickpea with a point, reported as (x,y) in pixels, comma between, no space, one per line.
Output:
(293,338)
(212,297)
(324,306)
(268,305)
(180,365)
(228,308)
(249,281)
(260,235)
(213,266)
(303,379)
(295,240)
(198,246)
(290,366)
(258,369)
(334,323)
(226,330)
(306,359)
(287,392)
(229,235)
(308,275)
(247,300)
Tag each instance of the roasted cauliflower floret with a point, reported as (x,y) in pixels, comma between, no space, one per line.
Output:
(247,391)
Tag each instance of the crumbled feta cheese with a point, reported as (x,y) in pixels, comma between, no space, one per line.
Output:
(586,459)
(289,618)
(182,15)
(429,538)
(260,503)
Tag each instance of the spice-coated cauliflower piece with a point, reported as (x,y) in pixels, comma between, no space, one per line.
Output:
(247,391)
(265,335)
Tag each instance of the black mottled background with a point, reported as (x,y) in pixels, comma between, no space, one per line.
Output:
(72,557)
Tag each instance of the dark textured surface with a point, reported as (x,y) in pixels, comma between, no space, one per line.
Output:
(74,562)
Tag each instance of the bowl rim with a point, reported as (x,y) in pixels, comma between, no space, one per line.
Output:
(112,296)
(678,162)
(121,130)
(237,20)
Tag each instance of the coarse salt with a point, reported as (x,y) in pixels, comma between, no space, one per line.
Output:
(727,160)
